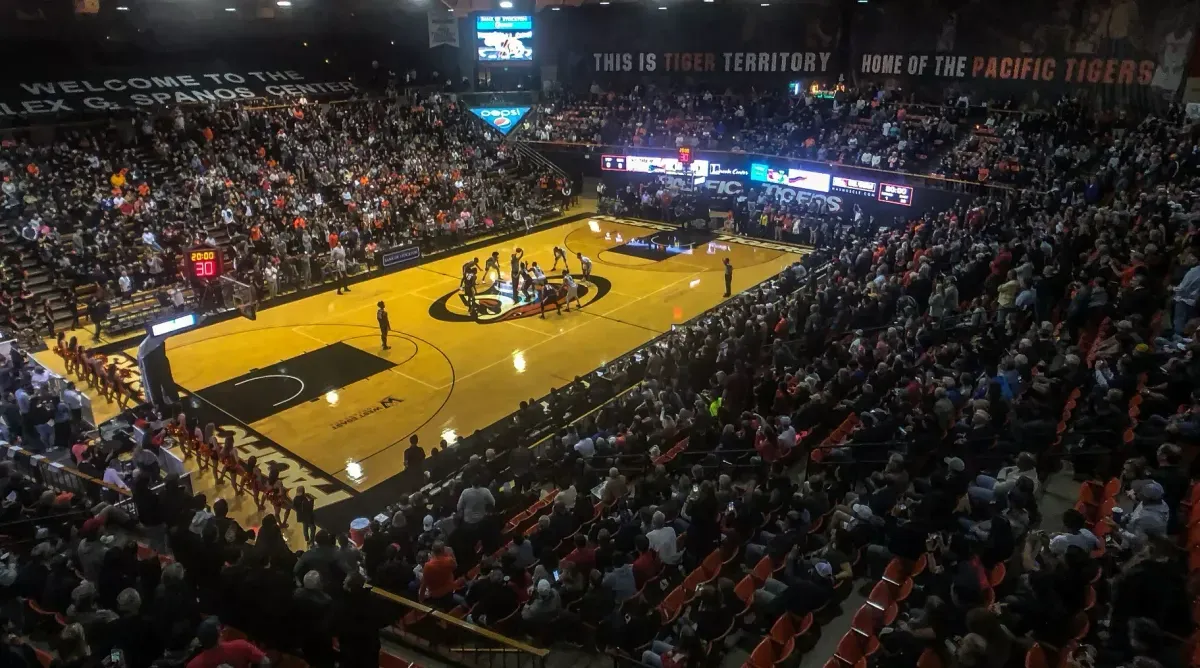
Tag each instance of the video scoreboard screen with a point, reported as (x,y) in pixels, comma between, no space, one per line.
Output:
(895,194)
(504,39)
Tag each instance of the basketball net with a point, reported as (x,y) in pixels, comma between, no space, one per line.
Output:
(240,296)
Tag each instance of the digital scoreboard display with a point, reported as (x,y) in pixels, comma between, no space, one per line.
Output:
(504,39)
(204,263)
(612,163)
(895,194)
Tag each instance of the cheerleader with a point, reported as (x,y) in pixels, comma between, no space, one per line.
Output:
(253,480)
(229,459)
(183,436)
(208,449)
(279,497)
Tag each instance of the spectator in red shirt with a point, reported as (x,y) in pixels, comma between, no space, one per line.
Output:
(233,653)
(645,565)
(583,556)
(437,577)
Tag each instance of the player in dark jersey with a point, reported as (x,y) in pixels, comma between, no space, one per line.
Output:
(493,262)
(549,294)
(467,288)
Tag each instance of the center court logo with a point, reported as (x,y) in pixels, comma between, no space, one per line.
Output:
(494,301)
(503,119)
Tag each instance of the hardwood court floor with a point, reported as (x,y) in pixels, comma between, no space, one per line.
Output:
(312,376)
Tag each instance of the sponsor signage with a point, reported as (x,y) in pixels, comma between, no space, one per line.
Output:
(891,193)
(504,39)
(174,325)
(793,178)
(397,256)
(653,164)
(853,186)
(717,169)
(503,119)
(136,89)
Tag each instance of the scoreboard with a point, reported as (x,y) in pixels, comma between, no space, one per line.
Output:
(204,263)
(895,194)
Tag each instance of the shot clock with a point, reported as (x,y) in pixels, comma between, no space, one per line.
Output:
(205,263)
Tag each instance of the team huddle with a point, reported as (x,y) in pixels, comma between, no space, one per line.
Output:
(528,281)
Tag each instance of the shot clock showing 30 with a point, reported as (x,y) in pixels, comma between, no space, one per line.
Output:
(205,263)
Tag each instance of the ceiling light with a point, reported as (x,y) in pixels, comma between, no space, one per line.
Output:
(663,8)
(122,8)
(506,4)
(606,3)
(231,9)
(765,4)
(284,3)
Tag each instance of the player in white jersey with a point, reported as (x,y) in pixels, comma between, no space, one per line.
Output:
(559,254)
(586,263)
(572,290)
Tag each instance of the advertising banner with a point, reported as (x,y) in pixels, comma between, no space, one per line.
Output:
(502,119)
(1110,50)
(443,28)
(147,89)
(830,191)
(400,255)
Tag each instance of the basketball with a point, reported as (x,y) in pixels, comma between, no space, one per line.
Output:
(519,250)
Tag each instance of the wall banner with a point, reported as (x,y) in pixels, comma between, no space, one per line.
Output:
(1122,50)
(443,28)
(144,89)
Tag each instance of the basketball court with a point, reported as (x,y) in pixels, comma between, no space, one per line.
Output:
(308,386)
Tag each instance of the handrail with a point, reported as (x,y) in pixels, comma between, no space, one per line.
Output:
(508,644)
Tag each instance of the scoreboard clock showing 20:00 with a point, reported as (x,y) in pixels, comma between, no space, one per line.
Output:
(205,263)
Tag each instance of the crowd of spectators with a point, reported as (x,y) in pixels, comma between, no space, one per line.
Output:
(942,372)
(933,376)
(864,127)
(114,206)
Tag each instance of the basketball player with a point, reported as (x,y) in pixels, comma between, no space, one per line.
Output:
(572,290)
(559,254)
(493,262)
(382,317)
(467,288)
(728,277)
(586,264)
(515,266)
(471,268)
(337,256)
(527,279)
(539,277)
(548,294)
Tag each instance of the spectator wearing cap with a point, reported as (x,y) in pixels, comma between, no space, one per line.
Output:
(215,653)
(1149,517)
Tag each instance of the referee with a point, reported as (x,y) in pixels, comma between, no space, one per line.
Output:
(728,277)
(382,316)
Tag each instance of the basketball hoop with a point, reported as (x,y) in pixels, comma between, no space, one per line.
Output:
(240,296)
